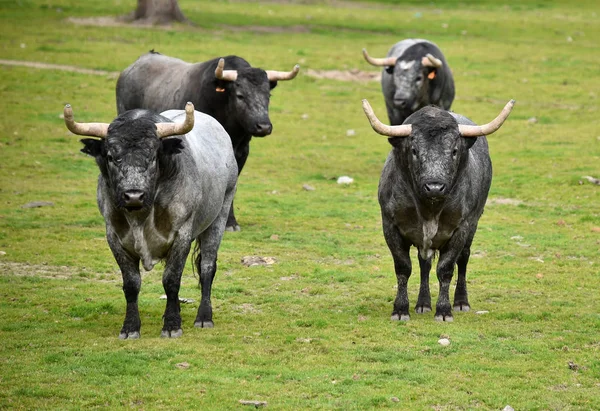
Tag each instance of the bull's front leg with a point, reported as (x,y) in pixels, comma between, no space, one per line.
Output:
(402,266)
(132,282)
(171,282)
(424,300)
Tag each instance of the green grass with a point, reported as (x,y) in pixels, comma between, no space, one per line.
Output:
(312,330)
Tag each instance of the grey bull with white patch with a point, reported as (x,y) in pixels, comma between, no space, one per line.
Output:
(432,192)
(415,74)
(162,184)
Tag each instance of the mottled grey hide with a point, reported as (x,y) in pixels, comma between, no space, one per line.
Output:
(157,197)
(432,192)
(407,87)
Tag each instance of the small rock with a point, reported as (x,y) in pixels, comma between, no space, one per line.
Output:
(539,276)
(444,342)
(395,399)
(345,180)
(304,116)
(274,237)
(532,120)
(482,312)
(183,365)
(508,408)
(2,252)
(350,133)
(573,366)
(308,187)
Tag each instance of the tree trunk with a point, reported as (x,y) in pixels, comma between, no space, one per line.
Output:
(158,12)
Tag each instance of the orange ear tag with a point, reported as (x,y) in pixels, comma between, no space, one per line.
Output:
(431,75)
(220,89)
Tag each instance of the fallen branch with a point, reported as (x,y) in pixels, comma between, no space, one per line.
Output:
(592,180)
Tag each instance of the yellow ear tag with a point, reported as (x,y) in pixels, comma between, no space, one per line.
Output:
(431,75)
(220,89)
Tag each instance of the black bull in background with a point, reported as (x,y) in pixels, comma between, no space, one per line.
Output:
(228,89)
(162,185)
(432,192)
(415,74)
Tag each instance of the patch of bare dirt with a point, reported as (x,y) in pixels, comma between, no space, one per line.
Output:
(48,66)
(345,75)
(8,268)
(504,201)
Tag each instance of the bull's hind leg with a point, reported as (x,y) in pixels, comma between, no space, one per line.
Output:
(241,155)
(171,283)
(424,300)
(461,300)
(208,243)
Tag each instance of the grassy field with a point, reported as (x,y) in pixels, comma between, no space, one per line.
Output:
(313,329)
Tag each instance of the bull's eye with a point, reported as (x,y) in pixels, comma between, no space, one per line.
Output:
(240,96)
(414,152)
(110,158)
(419,78)
(454,152)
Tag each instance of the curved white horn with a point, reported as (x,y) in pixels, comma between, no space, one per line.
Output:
(227,75)
(430,61)
(387,61)
(273,75)
(174,129)
(84,129)
(489,128)
(385,130)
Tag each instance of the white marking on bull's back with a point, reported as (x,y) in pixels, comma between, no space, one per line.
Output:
(405,65)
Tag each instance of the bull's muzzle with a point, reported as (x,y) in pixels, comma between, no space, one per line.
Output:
(133,200)
(262,129)
(434,189)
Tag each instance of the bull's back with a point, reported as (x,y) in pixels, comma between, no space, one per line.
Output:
(154,82)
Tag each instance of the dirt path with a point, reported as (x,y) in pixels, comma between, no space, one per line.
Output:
(48,66)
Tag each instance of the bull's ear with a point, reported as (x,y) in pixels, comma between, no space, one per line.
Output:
(172,145)
(396,141)
(469,141)
(92,147)
(272,84)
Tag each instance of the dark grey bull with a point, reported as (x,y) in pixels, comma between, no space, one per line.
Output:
(157,195)
(415,74)
(228,89)
(432,192)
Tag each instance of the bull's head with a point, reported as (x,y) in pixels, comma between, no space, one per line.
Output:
(433,145)
(128,152)
(411,78)
(249,91)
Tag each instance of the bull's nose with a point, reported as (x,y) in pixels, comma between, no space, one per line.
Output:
(400,103)
(263,129)
(133,199)
(434,188)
